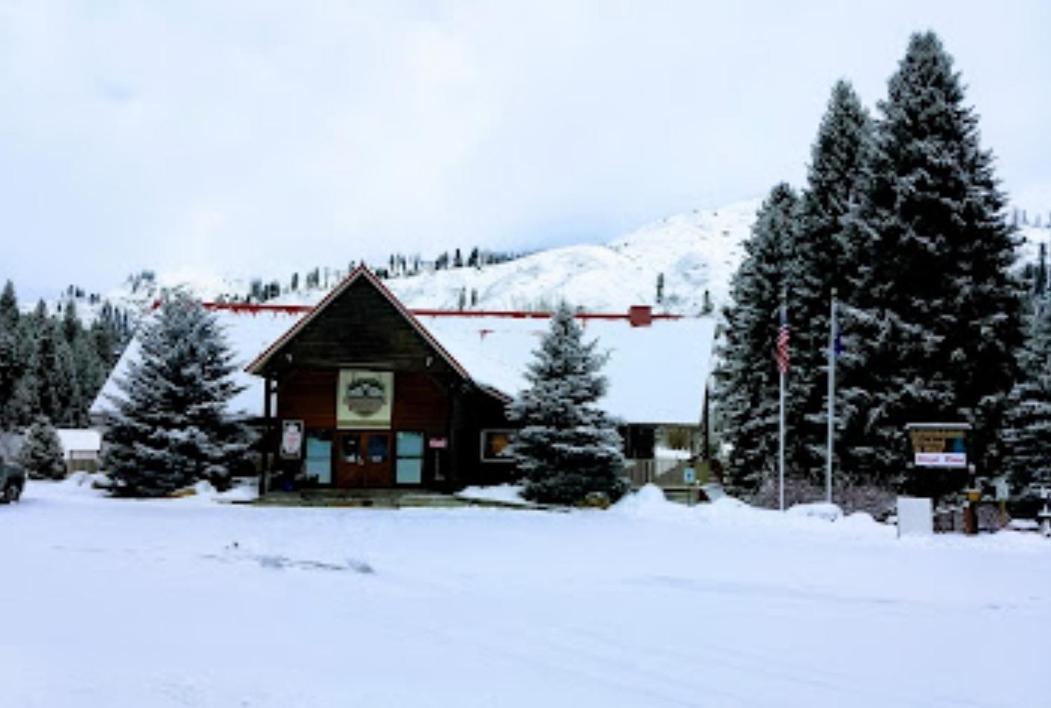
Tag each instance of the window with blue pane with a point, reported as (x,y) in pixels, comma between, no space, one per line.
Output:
(409,451)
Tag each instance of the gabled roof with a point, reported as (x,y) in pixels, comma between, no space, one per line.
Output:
(258,366)
(657,371)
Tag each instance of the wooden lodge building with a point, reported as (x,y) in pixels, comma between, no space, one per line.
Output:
(361,392)
(379,401)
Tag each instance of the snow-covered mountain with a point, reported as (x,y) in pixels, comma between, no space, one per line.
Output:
(695,252)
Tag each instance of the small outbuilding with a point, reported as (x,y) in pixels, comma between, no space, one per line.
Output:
(81,448)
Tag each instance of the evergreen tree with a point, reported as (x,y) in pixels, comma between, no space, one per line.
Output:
(52,372)
(41,454)
(91,373)
(170,427)
(707,307)
(11,356)
(71,326)
(1040,274)
(1027,430)
(934,319)
(747,381)
(660,288)
(824,261)
(567,447)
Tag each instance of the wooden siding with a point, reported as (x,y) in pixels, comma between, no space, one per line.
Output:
(360,328)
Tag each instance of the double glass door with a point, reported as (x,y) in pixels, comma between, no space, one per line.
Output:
(363,459)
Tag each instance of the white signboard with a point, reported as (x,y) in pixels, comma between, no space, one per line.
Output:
(941,459)
(364,399)
(689,475)
(915,516)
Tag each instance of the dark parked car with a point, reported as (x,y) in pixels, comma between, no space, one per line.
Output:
(12,481)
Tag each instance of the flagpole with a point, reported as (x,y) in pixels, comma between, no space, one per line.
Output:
(831,394)
(781,423)
(781,450)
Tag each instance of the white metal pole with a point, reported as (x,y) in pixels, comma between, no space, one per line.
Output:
(781,449)
(831,394)
(781,416)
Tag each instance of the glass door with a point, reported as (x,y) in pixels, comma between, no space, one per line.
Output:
(363,459)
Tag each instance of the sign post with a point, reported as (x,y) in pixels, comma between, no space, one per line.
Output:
(438,444)
(939,456)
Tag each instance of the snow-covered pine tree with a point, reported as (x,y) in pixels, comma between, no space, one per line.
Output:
(11,364)
(935,317)
(824,260)
(747,384)
(568,447)
(41,454)
(51,368)
(91,374)
(170,427)
(1027,428)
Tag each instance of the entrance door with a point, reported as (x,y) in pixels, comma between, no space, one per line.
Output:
(363,459)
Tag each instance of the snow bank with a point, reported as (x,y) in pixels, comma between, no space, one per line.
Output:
(817,510)
(649,502)
(506,493)
(93,483)
(242,490)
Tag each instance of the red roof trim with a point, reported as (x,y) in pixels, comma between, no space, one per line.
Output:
(255,308)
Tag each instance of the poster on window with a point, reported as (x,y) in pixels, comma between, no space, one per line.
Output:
(291,439)
(364,399)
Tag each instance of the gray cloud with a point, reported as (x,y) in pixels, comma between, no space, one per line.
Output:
(268,136)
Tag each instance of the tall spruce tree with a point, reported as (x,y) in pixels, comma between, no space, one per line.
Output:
(1027,429)
(568,447)
(51,373)
(824,261)
(747,386)
(11,363)
(171,427)
(935,313)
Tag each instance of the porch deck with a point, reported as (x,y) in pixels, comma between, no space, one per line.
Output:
(376,498)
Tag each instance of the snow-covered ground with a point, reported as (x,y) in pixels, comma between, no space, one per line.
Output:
(116,603)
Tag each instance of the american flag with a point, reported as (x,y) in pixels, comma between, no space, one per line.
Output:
(781,351)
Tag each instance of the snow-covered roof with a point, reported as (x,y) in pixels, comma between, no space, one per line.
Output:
(79,439)
(656,373)
(248,334)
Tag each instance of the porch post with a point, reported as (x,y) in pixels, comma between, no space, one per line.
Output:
(268,439)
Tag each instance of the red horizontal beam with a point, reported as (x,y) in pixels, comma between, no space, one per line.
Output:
(252,308)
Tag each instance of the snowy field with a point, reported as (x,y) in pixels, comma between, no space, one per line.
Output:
(114,603)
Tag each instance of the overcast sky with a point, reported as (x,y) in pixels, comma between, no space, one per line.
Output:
(266,137)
